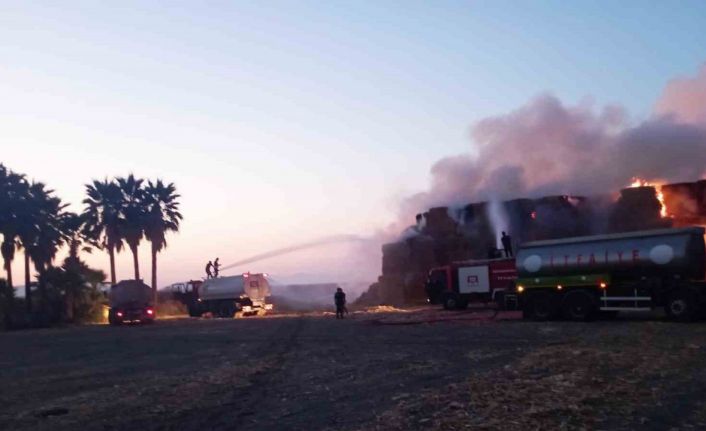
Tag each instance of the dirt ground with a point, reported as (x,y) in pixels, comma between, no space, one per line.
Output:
(386,370)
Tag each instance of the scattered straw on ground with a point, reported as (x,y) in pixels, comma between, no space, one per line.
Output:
(614,385)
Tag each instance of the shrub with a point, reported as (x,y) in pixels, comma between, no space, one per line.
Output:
(7,299)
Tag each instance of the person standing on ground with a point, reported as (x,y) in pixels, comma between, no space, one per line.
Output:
(340,300)
(216,267)
(506,240)
(209,265)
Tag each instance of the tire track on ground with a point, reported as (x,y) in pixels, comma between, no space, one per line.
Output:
(241,410)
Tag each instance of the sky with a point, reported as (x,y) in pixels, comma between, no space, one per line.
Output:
(285,122)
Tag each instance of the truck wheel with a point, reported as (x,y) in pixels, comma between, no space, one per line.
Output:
(578,305)
(227,311)
(194,311)
(539,307)
(682,306)
(112,320)
(500,300)
(450,302)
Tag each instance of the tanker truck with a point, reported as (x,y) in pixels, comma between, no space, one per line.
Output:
(577,278)
(226,296)
(130,301)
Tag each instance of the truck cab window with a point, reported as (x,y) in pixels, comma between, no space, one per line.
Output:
(438,279)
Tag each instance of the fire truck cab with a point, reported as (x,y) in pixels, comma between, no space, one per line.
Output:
(460,283)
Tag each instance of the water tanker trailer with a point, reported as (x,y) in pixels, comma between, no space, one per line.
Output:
(578,277)
(226,296)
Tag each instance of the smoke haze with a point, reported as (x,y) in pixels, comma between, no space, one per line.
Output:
(685,99)
(547,148)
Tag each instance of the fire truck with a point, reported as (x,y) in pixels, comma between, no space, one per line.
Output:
(460,283)
(577,278)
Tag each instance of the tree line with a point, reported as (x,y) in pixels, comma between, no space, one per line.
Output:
(117,213)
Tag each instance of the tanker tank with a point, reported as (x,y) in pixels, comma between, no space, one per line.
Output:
(226,296)
(674,252)
(254,286)
(577,278)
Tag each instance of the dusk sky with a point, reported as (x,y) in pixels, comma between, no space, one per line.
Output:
(285,122)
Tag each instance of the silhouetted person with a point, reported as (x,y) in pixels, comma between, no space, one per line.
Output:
(209,266)
(216,267)
(340,300)
(507,244)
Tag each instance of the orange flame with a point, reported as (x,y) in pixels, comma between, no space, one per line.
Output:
(639,182)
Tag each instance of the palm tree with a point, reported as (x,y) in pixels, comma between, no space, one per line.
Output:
(13,200)
(51,236)
(133,215)
(162,216)
(75,234)
(39,215)
(103,219)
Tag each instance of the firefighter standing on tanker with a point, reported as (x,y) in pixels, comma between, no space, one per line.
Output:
(340,300)
(506,240)
(216,268)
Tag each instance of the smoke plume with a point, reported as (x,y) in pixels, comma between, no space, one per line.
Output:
(685,99)
(548,148)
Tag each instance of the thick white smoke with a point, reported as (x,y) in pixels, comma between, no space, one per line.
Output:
(547,148)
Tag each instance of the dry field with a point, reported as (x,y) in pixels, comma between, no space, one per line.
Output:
(385,369)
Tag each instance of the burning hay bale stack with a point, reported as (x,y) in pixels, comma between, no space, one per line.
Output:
(476,227)
(557,217)
(435,241)
(686,202)
(637,208)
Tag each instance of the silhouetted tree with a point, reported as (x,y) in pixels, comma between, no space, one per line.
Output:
(162,216)
(52,236)
(80,293)
(7,298)
(13,196)
(34,219)
(41,228)
(133,215)
(103,219)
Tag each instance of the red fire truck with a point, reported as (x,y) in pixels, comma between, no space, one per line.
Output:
(460,283)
